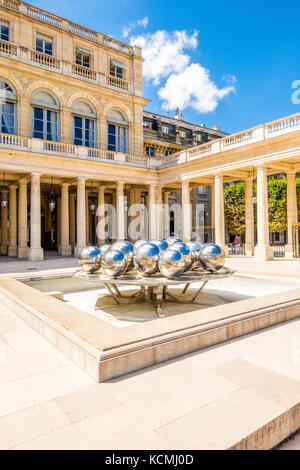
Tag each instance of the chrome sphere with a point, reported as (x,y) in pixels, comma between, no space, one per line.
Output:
(195,248)
(186,253)
(212,257)
(114,263)
(90,259)
(172,240)
(139,243)
(171,263)
(145,259)
(127,249)
(104,249)
(162,245)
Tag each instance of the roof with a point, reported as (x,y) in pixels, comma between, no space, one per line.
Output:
(185,124)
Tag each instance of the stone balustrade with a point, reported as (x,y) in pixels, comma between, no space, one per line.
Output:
(53,20)
(39,59)
(257,134)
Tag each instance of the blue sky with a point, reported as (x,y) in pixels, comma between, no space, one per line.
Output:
(232,64)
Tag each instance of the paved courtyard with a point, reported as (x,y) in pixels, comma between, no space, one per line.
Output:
(210,399)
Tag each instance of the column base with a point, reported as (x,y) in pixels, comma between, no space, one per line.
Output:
(264,253)
(249,249)
(78,250)
(35,254)
(289,252)
(65,250)
(12,251)
(22,252)
(3,250)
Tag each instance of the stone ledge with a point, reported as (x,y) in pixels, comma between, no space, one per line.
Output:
(104,351)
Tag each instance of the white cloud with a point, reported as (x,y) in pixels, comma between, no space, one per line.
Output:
(127,29)
(182,83)
(163,52)
(192,88)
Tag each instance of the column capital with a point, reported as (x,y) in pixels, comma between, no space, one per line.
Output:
(36,174)
(13,186)
(81,179)
(65,185)
(290,172)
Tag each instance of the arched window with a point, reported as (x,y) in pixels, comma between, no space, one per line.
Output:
(8,106)
(45,116)
(117,132)
(84,124)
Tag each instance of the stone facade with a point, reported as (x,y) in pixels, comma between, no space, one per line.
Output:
(72,138)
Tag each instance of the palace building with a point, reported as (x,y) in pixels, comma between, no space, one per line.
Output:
(74,136)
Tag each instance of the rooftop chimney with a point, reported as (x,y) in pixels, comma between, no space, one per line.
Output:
(217,128)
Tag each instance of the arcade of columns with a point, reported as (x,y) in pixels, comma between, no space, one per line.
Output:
(73,228)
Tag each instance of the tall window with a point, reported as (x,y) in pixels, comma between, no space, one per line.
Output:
(117,69)
(150,151)
(4,31)
(84,124)
(8,104)
(45,116)
(117,132)
(44,45)
(83,58)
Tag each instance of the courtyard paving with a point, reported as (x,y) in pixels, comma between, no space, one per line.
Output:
(210,399)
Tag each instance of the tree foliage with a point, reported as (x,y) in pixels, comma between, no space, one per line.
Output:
(234,200)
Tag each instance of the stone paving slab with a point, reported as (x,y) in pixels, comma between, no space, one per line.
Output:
(222,397)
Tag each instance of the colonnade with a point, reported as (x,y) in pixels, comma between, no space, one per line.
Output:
(73,215)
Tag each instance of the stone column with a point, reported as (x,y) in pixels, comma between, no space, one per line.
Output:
(292,214)
(120,211)
(186,212)
(58,223)
(4,225)
(212,213)
(114,216)
(146,217)
(219,213)
(160,214)
(87,217)
(22,220)
(81,217)
(65,247)
(137,202)
(166,215)
(152,224)
(101,216)
(263,250)
(249,218)
(72,221)
(35,252)
(12,249)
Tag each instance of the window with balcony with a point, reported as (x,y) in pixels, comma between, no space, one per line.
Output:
(150,151)
(8,106)
(44,45)
(84,124)
(117,132)
(83,58)
(4,31)
(45,116)
(117,69)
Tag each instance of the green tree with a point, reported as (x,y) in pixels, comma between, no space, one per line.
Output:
(234,200)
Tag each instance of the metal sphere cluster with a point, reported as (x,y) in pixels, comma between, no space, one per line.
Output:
(171,258)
